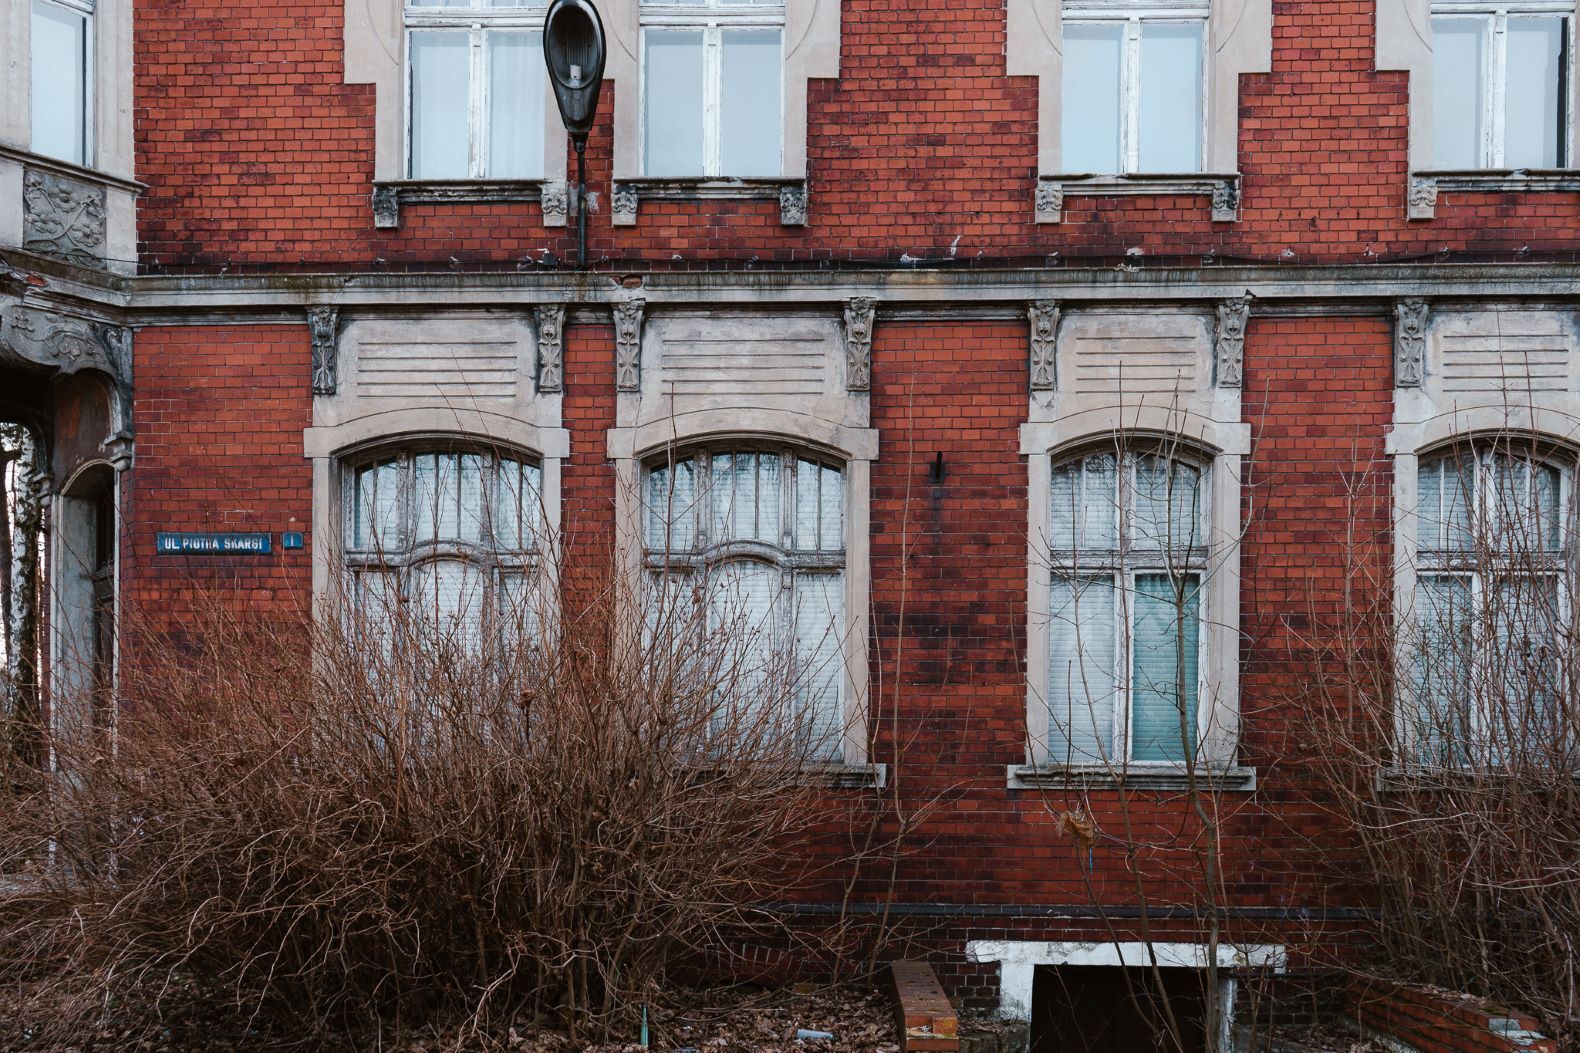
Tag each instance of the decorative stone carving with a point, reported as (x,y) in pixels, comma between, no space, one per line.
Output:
(64,344)
(792,205)
(1225,201)
(1409,342)
(551,343)
(1422,201)
(622,205)
(628,345)
(1048,202)
(63,217)
(860,313)
(556,201)
(1044,315)
(386,207)
(1229,340)
(324,322)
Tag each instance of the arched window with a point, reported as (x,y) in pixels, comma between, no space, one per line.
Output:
(756,535)
(445,540)
(1494,536)
(1127,557)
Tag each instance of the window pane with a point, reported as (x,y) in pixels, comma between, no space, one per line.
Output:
(743,634)
(672,104)
(831,525)
(1171,96)
(1164,667)
(1081,671)
(1166,502)
(60,71)
(1092,95)
(515,105)
(1459,49)
(818,666)
(1523,669)
(471,523)
(439,87)
(447,601)
(749,108)
(671,497)
(807,515)
(376,519)
(1534,103)
(1442,670)
(1445,497)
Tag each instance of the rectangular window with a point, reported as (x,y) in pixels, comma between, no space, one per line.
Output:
(62,63)
(1134,90)
(712,88)
(1501,85)
(477,88)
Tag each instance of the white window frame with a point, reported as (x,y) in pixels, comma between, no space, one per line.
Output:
(478,22)
(487,557)
(1473,565)
(1494,73)
(85,8)
(711,16)
(1133,14)
(708,554)
(1124,565)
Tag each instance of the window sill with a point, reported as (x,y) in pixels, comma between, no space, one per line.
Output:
(390,195)
(790,193)
(1411,780)
(1222,187)
(1136,777)
(838,776)
(1425,186)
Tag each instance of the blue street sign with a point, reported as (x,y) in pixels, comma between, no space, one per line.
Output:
(172,544)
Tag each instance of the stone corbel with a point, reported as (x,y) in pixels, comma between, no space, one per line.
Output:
(628,344)
(64,345)
(324,323)
(1044,316)
(1422,203)
(860,314)
(1229,341)
(792,205)
(1409,342)
(550,322)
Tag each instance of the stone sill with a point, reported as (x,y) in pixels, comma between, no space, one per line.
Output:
(1426,185)
(1410,780)
(1222,187)
(1136,777)
(846,776)
(65,168)
(790,193)
(391,194)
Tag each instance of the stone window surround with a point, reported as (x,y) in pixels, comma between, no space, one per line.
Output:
(1219,447)
(1404,42)
(336,449)
(1239,40)
(631,448)
(375,54)
(111,146)
(1546,426)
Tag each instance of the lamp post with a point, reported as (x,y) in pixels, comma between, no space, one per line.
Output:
(573,47)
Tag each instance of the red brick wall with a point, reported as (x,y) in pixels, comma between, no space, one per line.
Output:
(1442,1022)
(257,154)
(219,413)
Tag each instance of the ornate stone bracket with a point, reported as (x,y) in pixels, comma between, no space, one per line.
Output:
(390,196)
(628,345)
(626,196)
(1409,342)
(1422,203)
(860,315)
(1044,315)
(1221,188)
(1229,341)
(550,321)
(63,217)
(64,344)
(324,323)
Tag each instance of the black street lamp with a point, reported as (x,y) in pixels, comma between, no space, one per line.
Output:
(573,46)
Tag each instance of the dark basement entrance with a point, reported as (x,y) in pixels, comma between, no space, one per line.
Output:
(1110,1009)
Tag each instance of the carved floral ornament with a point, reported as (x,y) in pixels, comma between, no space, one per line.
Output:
(860,314)
(65,344)
(1229,340)
(63,217)
(1044,315)
(550,321)
(1410,323)
(628,344)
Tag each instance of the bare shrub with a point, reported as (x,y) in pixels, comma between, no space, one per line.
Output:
(1446,732)
(397,816)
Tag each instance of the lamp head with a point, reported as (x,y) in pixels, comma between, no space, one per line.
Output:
(573,46)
